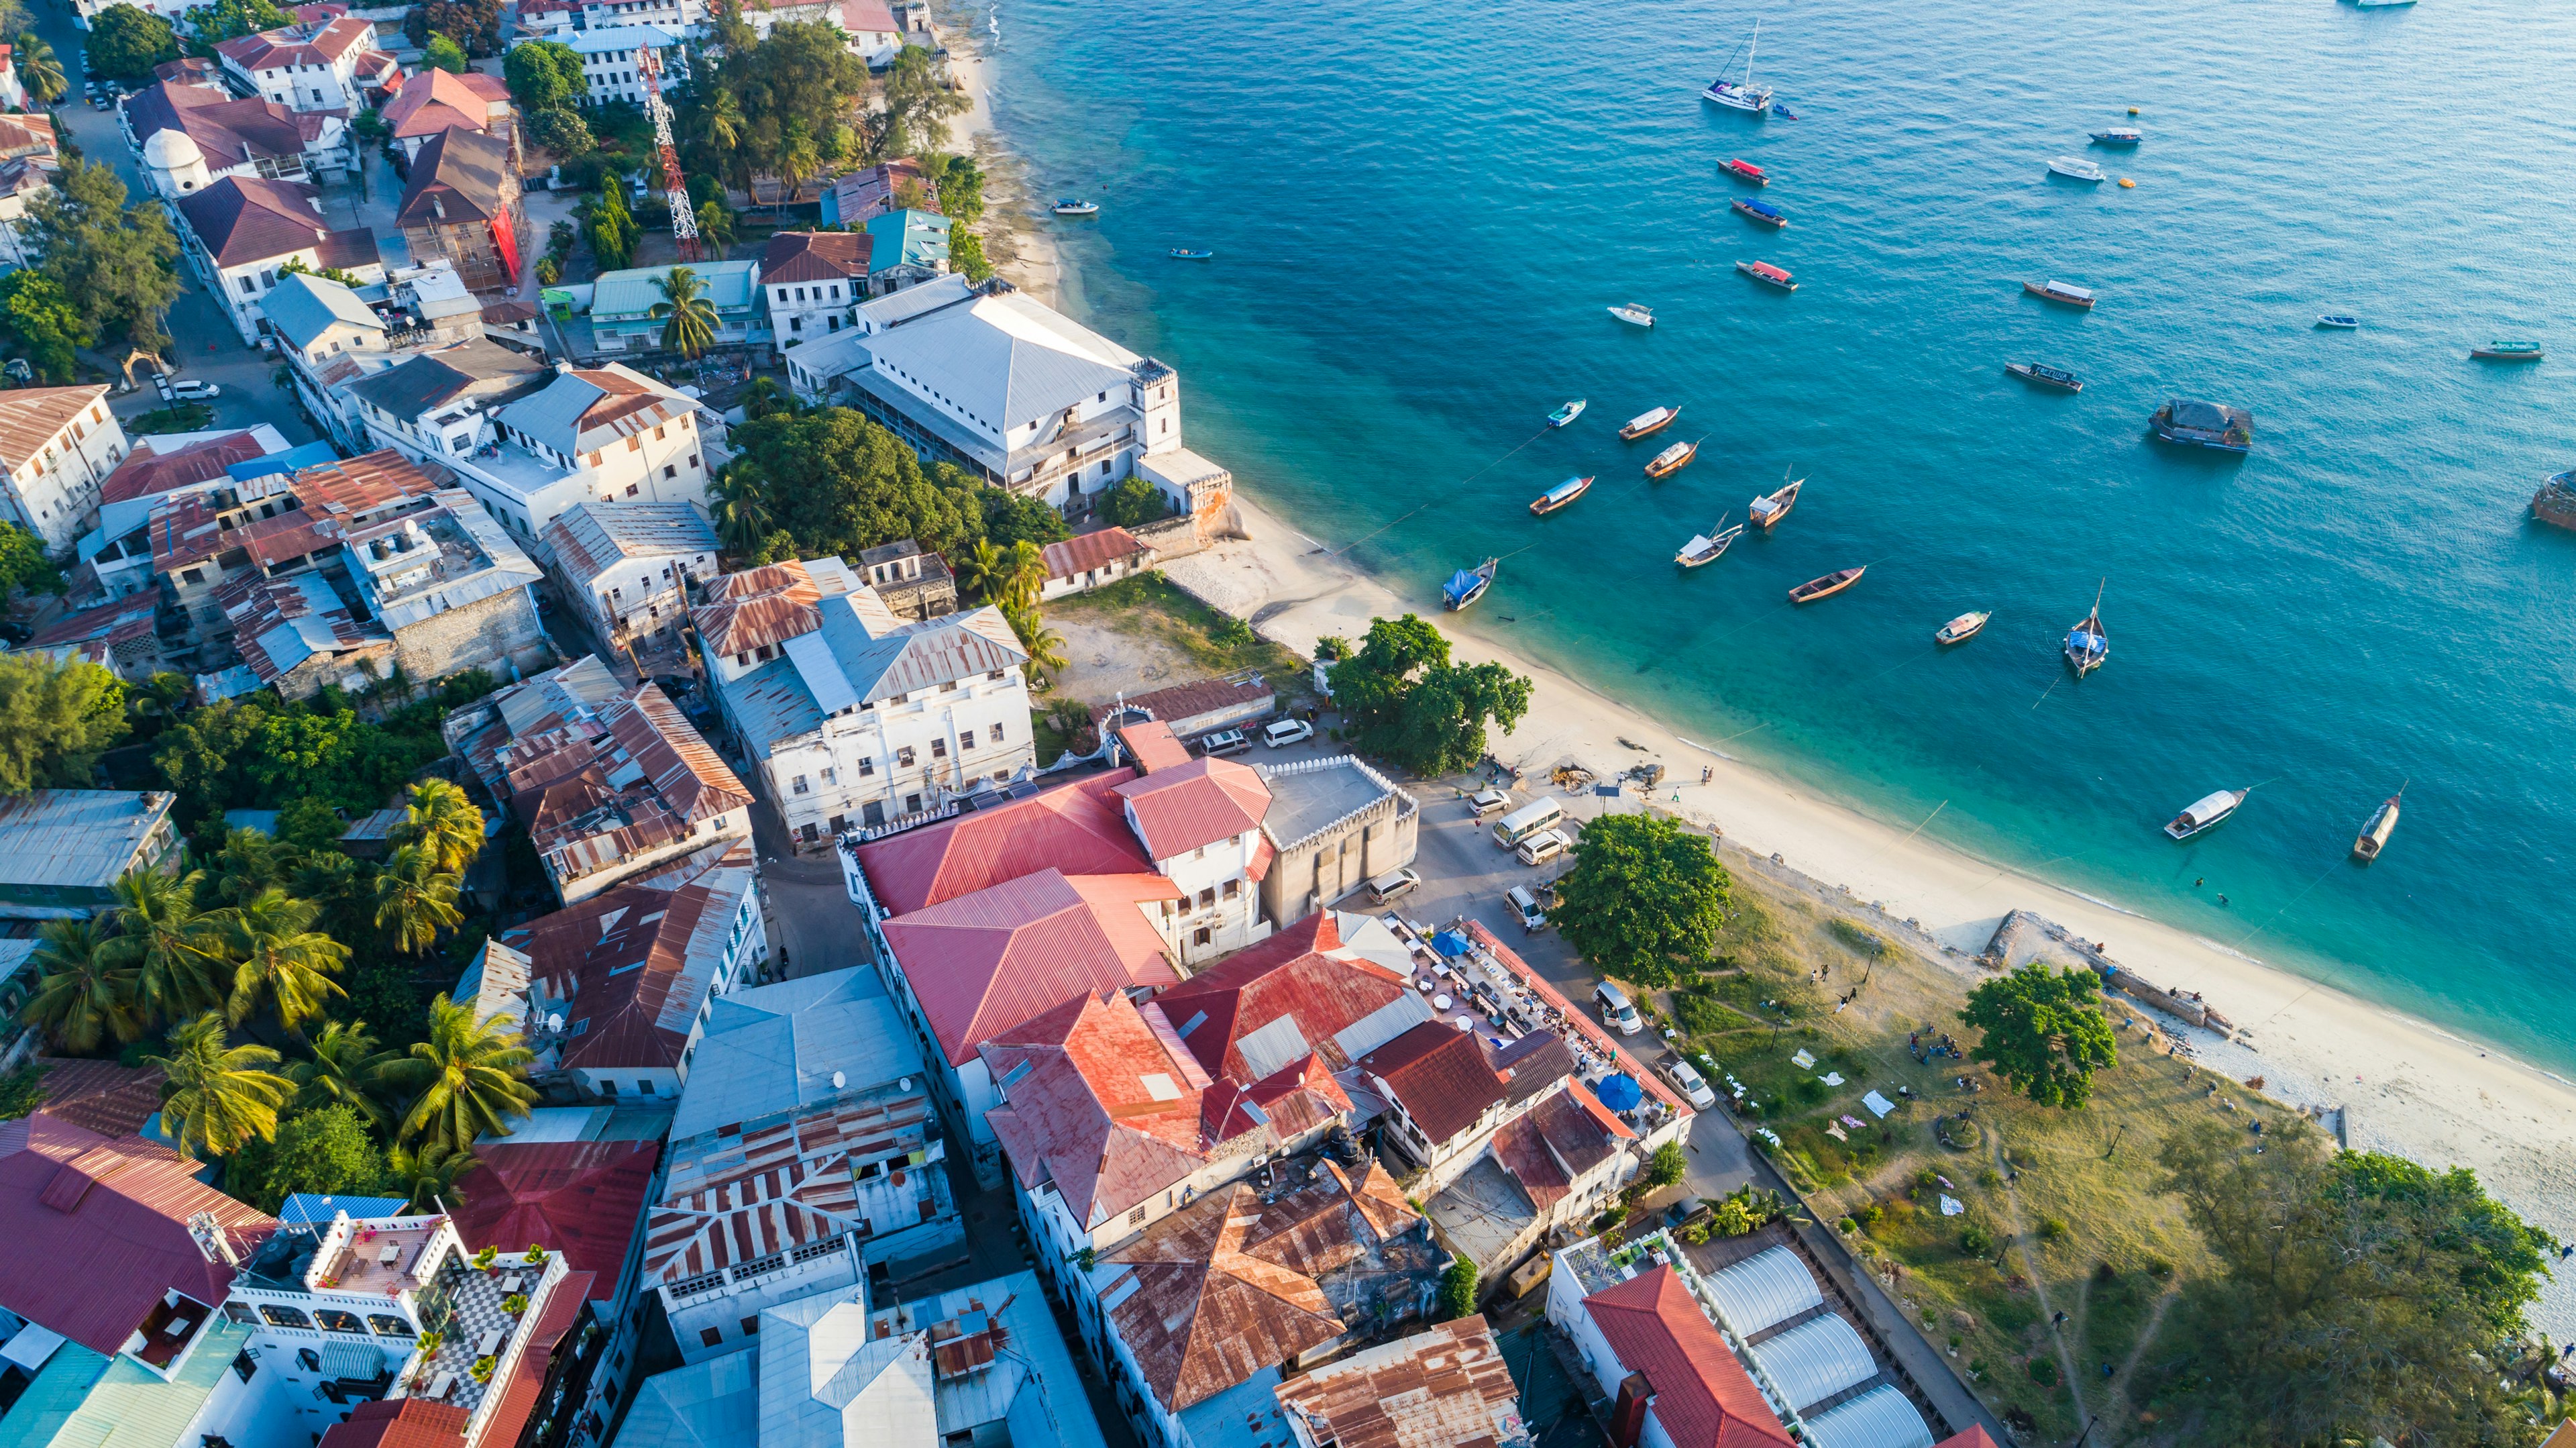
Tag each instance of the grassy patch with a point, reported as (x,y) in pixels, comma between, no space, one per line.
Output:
(177,417)
(1152,606)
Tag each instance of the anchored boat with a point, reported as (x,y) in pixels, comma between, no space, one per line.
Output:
(1560,495)
(1772,507)
(2508,352)
(2119,136)
(1568,413)
(1760,212)
(2341,322)
(1707,548)
(1468,584)
(1747,96)
(2382,823)
(1647,424)
(1672,459)
(1767,274)
(1745,170)
(2076,168)
(2555,503)
(2041,375)
(1074,206)
(2203,814)
(1961,629)
(2086,644)
(1827,586)
(1183,253)
(2186,423)
(2060,293)
(1634,315)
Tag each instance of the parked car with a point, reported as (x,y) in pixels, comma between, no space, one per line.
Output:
(1687,1080)
(1287,731)
(195,391)
(1486,801)
(1544,846)
(1394,885)
(1224,741)
(1525,905)
(1617,1011)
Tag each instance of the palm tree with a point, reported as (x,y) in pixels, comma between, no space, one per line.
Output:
(438,815)
(715,223)
(217,1097)
(469,1075)
(796,166)
(1045,645)
(39,70)
(346,1069)
(428,1176)
(280,953)
(344,888)
(742,519)
(691,329)
(1024,573)
(176,949)
(415,900)
(980,570)
(720,122)
(765,398)
(249,863)
(83,996)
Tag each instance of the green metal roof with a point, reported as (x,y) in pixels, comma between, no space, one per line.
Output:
(919,238)
(731,286)
(73,1404)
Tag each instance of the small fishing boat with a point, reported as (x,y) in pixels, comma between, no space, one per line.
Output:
(1568,413)
(2076,168)
(1647,424)
(1827,586)
(1769,509)
(1076,206)
(2203,814)
(2086,645)
(1744,170)
(1746,96)
(2508,352)
(2186,423)
(2119,136)
(2555,503)
(1634,315)
(2041,375)
(1767,274)
(1183,253)
(1672,459)
(2381,4)
(2340,321)
(1761,212)
(1707,548)
(1961,629)
(1560,495)
(2382,823)
(1468,584)
(2061,293)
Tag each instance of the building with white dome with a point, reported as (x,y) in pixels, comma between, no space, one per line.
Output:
(188,137)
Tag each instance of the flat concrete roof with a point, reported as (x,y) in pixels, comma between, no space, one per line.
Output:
(1301,804)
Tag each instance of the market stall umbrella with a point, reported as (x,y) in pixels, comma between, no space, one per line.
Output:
(1620,1092)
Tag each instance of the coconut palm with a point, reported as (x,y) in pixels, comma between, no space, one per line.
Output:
(217,1097)
(1045,645)
(279,954)
(980,569)
(796,166)
(691,328)
(415,900)
(742,519)
(250,862)
(720,122)
(765,398)
(715,224)
(437,814)
(427,1177)
(344,888)
(40,71)
(1023,574)
(468,1076)
(84,996)
(176,949)
(346,1070)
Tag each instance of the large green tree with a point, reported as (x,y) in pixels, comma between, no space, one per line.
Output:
(1644,900)
(544,75)
(116,263)
(326,1151)
(176,949)
(23,563)
(560,133)
(55,721)
(1405,700)
(801,79)
(469,1077)
(2044,1032)
(47,326)
(838,483)
(126,41)
(217,1097)
(212,25)
(1133,503)
(916,103)
(443,53)
(1015,517)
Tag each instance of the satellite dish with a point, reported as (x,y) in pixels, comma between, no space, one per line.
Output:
(554,1020)
(840,1081)
(903,1085)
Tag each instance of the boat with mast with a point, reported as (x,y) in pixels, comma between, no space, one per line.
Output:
(2381,824)
(2086,645)
(1560,495)
(2203,814)
(1647,424)
(1770,508)
(1748,97)
(1468,584)
(1827,586)
(1673,459)
(1707,548)
(1568,413)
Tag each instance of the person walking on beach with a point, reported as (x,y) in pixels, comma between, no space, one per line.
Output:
(1706,772)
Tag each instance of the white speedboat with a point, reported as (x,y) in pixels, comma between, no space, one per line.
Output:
(1744,96)
(2076,168)
(1634,315)
(2204,813)
(1076,206)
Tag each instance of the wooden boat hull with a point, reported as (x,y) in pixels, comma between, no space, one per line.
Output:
(1550,501)
(2555,503)
(1648,425)
(1565,416)
(2082,656)
(1786,499)
(1783,281)
(2061,382)
(2493,354)
(1961,629)
(2060,298)
(2191,824)
(2374,835)
(1744,173)
(1479,579)
(1772,219)
(1672,460)
(1815,589)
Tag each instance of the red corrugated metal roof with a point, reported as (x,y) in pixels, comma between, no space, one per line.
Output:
(1087,551)
(985,962)
(1285,975)
(1078,828)
(400,1423)
(101,1096)
(1196,803)
(1106,1108)
(519,1398)
(1438,1075)
(584,1199)
(1703,1396)
(1154,747)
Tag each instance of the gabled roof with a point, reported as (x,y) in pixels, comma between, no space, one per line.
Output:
(1075,828)
(985,962)
(226,132)
(584,1199)
(434,100)
(98,1230)
(30,416)
(628,778)
(779,1047)
(101,1096)
(630,295)
(279,623)
(1703,1396)
(303,307)
(1262,1007)
(246,219)
(741,1193)
(1439,1077)
(460,176)
(1444,1387)
(827,1381)
(1199,803)
(1002,358)
(297,45)
(1101,1102)
(815,256)
(95,633)
(591,539)
(638,963)
(1084,552)
(768,605)
(400,1423)
(911,237)
(863,653)
(433,379)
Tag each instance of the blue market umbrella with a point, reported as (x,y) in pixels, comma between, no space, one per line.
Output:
(1449,942)
(1620,1092)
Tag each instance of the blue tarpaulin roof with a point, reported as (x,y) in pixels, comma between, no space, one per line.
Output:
(1461,583)
(1620,1092)
(1449,942)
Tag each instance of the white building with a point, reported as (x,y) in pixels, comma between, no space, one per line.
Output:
(874,35)
(609,64)
(58,444)
(331,66)
(1200,823)
(857,716)
(810,281)
(679,17)
(189,136)
(238,232)
(329,339)
(600,435)
(628,566)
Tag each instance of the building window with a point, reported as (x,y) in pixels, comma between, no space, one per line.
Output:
(966,740)
(831,776)
(939,749)
(800,784)
(1233,888)
(711,1336)
(997,733)
(912,804)
(867,767)
(669,470)
(807,833)
(1136,1218)
(751,1327)
(1207,897)
(1203,936)
(903,757)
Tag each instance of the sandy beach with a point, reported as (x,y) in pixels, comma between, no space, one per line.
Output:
(1016,240)
(2407,1087)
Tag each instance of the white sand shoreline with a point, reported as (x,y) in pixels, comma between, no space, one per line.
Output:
(2408,1086)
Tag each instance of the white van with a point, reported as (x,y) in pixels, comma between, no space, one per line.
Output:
(1544,846)
(1529,819)
(1525,905)
(1394,885)
(1617,1012)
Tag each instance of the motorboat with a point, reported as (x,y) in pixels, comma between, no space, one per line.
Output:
(1565,415)
(2076,168)
(1672,459)
(2041,375)
(1634,315)
(2087,646)
(2186,423)
(1560,495)
(1767,274)
(2204,813)
(1074,206)
(1760,212)
(1827,586)
(2061,293)
(2340,321)
(1468,584)
(2119,136)
(1183,253)
(2508,352)
(1744,170)
(1961,629)
(1746,96)
(1770,508)
(1707,548)
(1647,424)
(2376,830)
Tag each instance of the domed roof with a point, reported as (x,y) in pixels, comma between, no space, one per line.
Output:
(171,149)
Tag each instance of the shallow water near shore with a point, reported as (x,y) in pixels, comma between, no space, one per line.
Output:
(1421,210)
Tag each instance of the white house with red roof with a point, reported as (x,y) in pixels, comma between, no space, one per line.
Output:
(1200,823)
(57,447)
(333,66)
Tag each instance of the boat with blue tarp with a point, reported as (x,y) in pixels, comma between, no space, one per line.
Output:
(1468,584)
(2187,423)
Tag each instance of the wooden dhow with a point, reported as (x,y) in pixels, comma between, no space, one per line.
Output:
(2376,830)
(1673,459)
(1827,586)
(1647,424)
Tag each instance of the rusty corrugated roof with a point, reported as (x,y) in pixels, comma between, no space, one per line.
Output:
(985,962)
(1287,977)
(31,416)
(1445,1387)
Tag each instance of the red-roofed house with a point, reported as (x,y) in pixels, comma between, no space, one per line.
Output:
(1200,823)
(118,634)
(434,100)
(400,1423)
(1088,560)
(1651,1345)
(238,231)
(332,66)
(1297,992)
(1451,1090)
(1077,828)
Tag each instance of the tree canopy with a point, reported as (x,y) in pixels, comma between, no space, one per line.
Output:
(443,53)
(47,327)
(112,261)
(795,91)
(1645,898)
(1133,503)
(1011,518)
(544,75)
(1405,700)
(126,41)
(212,25)
(23,563)
(55,721)
(917,103)
(834,482)
(2043,1032)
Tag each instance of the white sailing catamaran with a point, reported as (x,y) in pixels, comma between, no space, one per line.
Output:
(1747,96)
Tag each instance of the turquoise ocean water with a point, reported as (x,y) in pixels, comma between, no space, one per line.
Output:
(1421,208)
